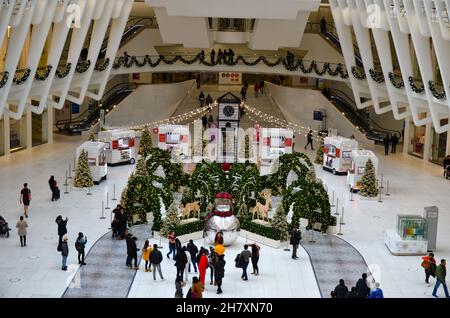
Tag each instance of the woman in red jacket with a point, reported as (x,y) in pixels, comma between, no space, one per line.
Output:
(202,266)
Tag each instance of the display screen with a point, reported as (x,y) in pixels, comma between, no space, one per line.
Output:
(318,115)
(346,154)
(172,138)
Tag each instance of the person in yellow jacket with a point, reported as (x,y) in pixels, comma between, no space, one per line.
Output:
(146,251)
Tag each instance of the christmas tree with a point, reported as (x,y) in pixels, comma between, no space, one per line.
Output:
(146,143)
(141,167)
(83,176)
(319,155)
(171,221)
(92,137)
(369,181)
(279,222)
(243,212)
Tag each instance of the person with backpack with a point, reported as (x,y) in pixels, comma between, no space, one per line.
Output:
(203,265)
(133,252)
(180,262)
(80,244)
(429,264)
(296,236)
(193,250)
(212,259)
(255,258)
(25,198)
(64,252)
(245,257)
(146,250)
(156,259)
(178,287)
(62,227)
(219,272)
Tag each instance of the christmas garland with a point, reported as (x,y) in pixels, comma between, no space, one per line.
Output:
(83,66)
(23,79)
(4,79)
(357,75)
(436,94)
(398,85)
(128,61)
(378,77)
(103,66)
(64,73)
(415,89)
(45,75)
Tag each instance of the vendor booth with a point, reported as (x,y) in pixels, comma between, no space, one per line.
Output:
(275,142)
(359,159)
(174,138)
(337,154)
(96,153)
(120,145)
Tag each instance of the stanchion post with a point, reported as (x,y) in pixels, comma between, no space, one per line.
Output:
(379,198)
(114,192)
(74,164)
(381,186)
(66,179)
(103,211)
(160,246)
(332,200)
(89,191)
(351,195)
(67,190)
(287,249)
(312,236)
(107,201)
(337,207)
(387,188)
(342,217)
(340,227)
(70,171)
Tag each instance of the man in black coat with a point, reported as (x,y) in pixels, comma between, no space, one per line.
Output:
(341,290)
(128,238)
(133,252)
(62,227)
(193,250)
(394,142)
(180,262)
(156,259)
(386,142)
(296,236)
(219,272)
(362,290)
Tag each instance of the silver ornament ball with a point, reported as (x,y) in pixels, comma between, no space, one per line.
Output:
(229,226)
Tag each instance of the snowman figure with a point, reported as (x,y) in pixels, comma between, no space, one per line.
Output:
(222,219)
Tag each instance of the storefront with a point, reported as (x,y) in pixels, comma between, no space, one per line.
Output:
(416,145)
(438,147)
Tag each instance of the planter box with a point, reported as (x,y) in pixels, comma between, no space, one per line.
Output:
(184,238)
(260,239)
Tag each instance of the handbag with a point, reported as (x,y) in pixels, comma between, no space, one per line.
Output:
(59,248)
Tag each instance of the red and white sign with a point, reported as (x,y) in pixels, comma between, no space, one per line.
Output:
(227,78)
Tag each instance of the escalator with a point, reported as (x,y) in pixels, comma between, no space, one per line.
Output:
(90,116)
(347,106)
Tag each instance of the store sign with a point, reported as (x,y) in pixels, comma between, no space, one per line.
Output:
(227,78)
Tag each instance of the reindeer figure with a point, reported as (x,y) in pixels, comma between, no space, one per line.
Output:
(263,210)
(186,210)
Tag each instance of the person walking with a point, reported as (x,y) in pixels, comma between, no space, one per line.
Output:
(219,272)
(394,143)
(212,259)
(180,262)
(256,89)
(178,287)
(376,292)
(193,250)
(201,99)
(64,251)
(146,250)
(133,252)
(54,188)
(202,266)
(244,93)
(80,245)
(245,259)
(261,87)
(172,238)
(341,290)
(62,227)
(446,164)
(310,140)
(386,142)
(296,236)
(255,258)
(198,80)
(204,122)
(209,100)
(429,264)
(25,199)
(156,259)
(441,272)
(362,290)
(22,231)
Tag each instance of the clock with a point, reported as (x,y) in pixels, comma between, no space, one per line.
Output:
(228,111)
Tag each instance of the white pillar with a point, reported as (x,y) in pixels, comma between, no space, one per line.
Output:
(28,129)
(406,135)
(428,142)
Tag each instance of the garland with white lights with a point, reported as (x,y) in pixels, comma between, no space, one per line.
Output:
(378,77)
(65,72)
(394,83)
(45,75)
(4,79)
(103,66)
(23,78)
(415,89)
(128,61)
(436,94)
(83,66)
(357,74)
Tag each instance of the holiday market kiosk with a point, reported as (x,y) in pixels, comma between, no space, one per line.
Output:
(96,153)
(359,159)
(120,145)
(174,138)
(275,143)
(337,154)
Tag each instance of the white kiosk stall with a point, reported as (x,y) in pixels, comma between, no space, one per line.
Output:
(337,154)
(120,145)
(174,138)
(275,142)
(359,159)
(96,153)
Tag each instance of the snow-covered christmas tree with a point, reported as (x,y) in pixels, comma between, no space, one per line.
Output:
(369,181)
(171,221)
(146,143)
(279,222)
(83,175)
